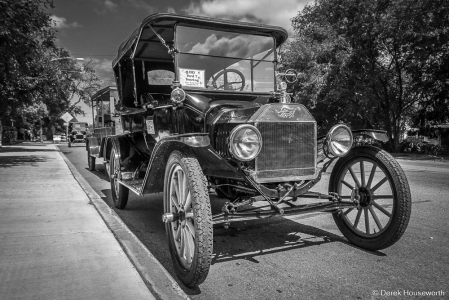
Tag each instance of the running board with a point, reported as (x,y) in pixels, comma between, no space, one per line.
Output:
(134,185)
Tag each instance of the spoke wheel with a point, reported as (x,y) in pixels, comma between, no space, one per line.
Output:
(190,232)
(119,192)
(374,178)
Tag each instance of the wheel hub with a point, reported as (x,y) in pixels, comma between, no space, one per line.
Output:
(364,197)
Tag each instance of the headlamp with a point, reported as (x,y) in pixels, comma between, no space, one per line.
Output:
(339,140)
(245,142)
(178,96)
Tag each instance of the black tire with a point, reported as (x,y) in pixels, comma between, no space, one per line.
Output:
(90,161)
(119,192)
(192,232)
(388,211)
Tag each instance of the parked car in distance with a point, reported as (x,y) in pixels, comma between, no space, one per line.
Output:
(77,133)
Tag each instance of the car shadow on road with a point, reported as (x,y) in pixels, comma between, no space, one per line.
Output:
(242,241)
(99,172)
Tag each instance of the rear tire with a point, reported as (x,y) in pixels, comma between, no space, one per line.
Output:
(190,235)
(119,192)
(379,182)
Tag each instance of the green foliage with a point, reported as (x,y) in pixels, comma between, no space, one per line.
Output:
(371,63)
(37,81)
(9,136)
(25,37)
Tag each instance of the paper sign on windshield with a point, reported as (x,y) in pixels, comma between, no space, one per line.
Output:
(191,78)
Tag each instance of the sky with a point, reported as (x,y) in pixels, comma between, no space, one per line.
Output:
(94,29)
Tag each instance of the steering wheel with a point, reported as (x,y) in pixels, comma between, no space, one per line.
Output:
(229,81)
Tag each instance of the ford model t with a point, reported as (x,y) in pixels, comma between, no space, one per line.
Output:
(203,109)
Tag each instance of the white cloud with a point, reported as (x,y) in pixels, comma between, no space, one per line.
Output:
(101,65)
(273,12)
(171,10)
(61,22)
(110,5)
(142,5)
(238,46)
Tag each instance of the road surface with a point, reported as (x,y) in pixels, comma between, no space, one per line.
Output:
(306,257)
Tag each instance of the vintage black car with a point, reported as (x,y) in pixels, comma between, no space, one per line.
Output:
(77,133)
(203,109)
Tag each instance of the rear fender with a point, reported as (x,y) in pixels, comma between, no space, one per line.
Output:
(197,145)
(119,143)
(92,146)
(107,149)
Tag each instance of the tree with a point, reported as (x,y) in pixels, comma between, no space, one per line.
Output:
(377,61)
(25,36)
(33,70)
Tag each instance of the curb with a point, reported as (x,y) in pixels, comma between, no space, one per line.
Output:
(160,283)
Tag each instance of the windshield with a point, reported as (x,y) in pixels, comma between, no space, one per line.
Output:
(219,60)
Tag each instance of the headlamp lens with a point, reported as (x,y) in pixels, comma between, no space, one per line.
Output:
(339,140)
(245,142)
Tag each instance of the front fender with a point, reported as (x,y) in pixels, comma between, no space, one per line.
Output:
(378,135)
(196,144)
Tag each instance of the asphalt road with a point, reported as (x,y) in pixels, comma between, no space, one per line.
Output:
(306,257)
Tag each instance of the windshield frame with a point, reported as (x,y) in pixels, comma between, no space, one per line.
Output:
(205,89)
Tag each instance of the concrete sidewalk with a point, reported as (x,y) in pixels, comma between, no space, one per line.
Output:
(53,242)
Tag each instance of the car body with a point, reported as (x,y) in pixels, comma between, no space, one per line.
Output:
(203,109)
(77,133)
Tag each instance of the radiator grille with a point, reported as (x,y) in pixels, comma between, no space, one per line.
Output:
(289,149)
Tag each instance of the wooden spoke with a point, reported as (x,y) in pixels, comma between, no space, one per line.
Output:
(357,219)
(356,180)
(362,172)
(348,211)
(371,176)
(376,219)
(347,184)
(376,205)
(366,220)
(379,184)
(188,202)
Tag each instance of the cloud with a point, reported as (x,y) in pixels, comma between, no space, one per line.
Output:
(103,69)
(61,22)
(106,7)
(238,46)
(278,12)
(171,10)
(110,5)
(142,5)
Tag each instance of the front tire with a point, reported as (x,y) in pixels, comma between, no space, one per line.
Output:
(186,198)
(378,181)
(119,192)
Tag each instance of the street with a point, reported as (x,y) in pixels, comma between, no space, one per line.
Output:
(306,257)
